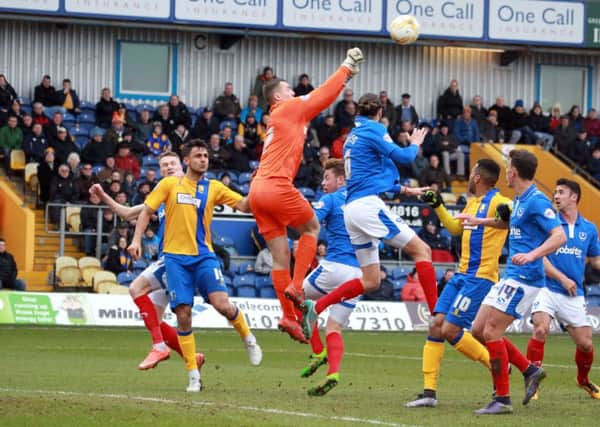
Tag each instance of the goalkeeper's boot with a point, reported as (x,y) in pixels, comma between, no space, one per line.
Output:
(495,408)
(532,383)
(200,360)
(293,328)
(325,387)
(316,361)
(294,295)
(309,319)
(423,401)
(591,389)
(154,358)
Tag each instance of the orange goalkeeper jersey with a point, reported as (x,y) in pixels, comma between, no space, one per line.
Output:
(288,124)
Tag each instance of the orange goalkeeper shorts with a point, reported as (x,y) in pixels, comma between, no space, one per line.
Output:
(276,203)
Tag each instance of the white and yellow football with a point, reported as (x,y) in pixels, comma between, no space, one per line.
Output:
(404,29)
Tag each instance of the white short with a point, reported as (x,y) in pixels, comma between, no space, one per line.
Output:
(369,220)
(156,275)
(567,310)
(325,278)
(511,297)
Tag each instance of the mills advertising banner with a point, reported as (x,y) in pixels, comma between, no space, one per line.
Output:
(80,309)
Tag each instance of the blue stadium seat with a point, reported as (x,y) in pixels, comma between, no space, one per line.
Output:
(139,265)
(268,292)
(228,281)
(247,279)
(232,271)
(97,169)
(68,117)
(81,130)
(232,174)
(246,292)
(223,240)
(25,101)
(253,164)
(231,123)
(87,117)
(87,106)
(263,281)
(141,107)
(68,124)
(398,284)
(244,177)
(245,189)
(81,141)
(246,267)
(399,273)
(593,300)
(593,290)
(307,192)
(149,161)
(210,175)
(26,109)
(230,291)
(129,107)
(125,278)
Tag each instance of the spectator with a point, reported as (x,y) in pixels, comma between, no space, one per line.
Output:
(253,108)
(143,127)
(262,134)
(63,146)
(504,115)
(67,98)
(105,109)
(347,119)
(38,114)
(123,230)
(466,130)
(555,116)
(205,125)
(434,174)
(326,131)
(97,150)
(11,138)
(419,164)
(581,149)
(304,87)
(150,245)
(385,292)
(575,118)
(564,136)
(51,128)
(321,250)
(412,290)
(218,156)
(450,150)
(478,111)
(142,192)
(226,136)
(491,130)
(227,182)
(73,161)
(448,274)
(592,126)
(264,262)
(249,130)
(163,116)
(105,175)
(8,270)
(86,179)
(309,174)
(63,189)
(89,220)
(431,143)
(594,163)
(337,146)
(14,110)
(46,172)
(450,103)
(114,136)
(521,129)
(129,184)
(342,117)
(540,126)
(240,155)
(27,125)
(405,112)
(158,142)
(261,79)
(122,198)
(430,234)
(179,137)
(118,259)
(389,111)
(114,185)
(125,116)
(35,144)
(227,106)
(7,94)
(324,155)
(150,177)
(125,161)
(179,112)
(45,93)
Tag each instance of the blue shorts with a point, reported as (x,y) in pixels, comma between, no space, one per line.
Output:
(461,298)
(187,274)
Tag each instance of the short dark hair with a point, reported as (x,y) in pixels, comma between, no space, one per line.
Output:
(194,143)
(336,165)
(524,162)
(571,185)
(369,105)
(489,171)
(66,80)
(2,239)
(269,89)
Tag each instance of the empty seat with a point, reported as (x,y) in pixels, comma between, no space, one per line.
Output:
(253,164)
(87,106)
(307,192)
(399,273)
(89,266)
(230,291)
(139,265)
(263,281)
(17,160)
(593,290)
(73,216)
(31,178)
(126,278)
(87,117)
(246,267)
(246,292)
(244,177)
(149,161)
(101,277)
(267,292)
(247,279)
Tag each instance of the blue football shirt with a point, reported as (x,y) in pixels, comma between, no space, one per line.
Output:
(569,259)
(531,221)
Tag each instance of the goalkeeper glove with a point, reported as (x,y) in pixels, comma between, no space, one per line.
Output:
(503,212)
(354,57)
(432,198)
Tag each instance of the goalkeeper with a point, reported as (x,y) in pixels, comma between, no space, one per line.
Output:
(477,272)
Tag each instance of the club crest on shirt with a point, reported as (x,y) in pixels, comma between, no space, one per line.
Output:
(482,208)
(582,235)
(200,189)
(520,212)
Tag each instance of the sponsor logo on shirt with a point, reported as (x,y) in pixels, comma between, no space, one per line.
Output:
(515,232)
(566,250)
(187,199)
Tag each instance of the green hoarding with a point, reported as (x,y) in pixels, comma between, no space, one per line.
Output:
(592,25)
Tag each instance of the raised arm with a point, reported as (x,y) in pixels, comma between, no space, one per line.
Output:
(125,212)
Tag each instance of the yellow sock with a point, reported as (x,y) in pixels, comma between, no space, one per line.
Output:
(239,323)
(433,353)
(188,348)
(473,349)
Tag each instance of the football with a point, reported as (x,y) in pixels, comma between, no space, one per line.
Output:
(404,29)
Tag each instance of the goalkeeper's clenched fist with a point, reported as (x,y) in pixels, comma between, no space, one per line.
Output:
(354,57)
(503,212)
(432,198)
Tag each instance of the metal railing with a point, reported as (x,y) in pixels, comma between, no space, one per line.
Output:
(63,231)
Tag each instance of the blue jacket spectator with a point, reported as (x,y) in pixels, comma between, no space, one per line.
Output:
(466,129)
(35,144)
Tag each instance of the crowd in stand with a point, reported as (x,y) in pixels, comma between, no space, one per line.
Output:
(77,143)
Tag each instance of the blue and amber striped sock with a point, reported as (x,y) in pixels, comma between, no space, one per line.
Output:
(433,353)
(188,349)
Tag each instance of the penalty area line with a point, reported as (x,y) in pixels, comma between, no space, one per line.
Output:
(159,400)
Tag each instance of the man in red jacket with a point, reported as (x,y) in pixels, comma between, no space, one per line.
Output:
(126,161)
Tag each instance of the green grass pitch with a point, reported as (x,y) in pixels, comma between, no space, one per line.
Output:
(88,377)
